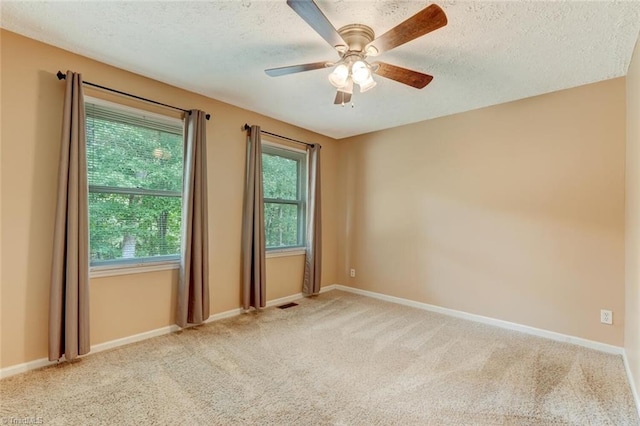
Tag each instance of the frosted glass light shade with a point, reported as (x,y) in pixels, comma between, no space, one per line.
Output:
(370,83)
(338,78)
(348,86)
(360,72)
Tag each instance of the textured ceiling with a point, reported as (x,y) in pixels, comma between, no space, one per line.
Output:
(489,53)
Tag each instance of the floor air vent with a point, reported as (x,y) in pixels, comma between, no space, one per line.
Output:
(288,305)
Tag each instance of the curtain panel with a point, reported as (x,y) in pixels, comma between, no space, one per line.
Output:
(69,290)
(253,239)
(313,258)
(193,287)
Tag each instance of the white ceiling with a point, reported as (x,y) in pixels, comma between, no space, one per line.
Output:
(489,53)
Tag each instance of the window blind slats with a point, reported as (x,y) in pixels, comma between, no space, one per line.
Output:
(132,151)
(139,120)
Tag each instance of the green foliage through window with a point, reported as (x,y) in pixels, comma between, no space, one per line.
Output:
(284,182)
(135,167)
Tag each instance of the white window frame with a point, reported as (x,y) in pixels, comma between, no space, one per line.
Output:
(302,156)
(139,264)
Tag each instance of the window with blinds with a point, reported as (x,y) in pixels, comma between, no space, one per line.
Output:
(134,165)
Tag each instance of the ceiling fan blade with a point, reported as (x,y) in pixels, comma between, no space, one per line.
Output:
(312,15)
(275,72)
(342,98)
(423,22)
(403,75)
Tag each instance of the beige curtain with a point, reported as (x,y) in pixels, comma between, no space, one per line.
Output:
(253,242)
(193,288)
(313,260)
(69,291)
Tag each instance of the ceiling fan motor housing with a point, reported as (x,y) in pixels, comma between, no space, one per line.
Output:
(357,36)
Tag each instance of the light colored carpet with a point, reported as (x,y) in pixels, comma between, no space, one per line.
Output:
(336,359)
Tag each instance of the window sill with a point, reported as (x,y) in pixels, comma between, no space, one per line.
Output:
(109,271)
(297,251)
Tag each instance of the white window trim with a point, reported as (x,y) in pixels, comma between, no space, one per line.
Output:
(136,268)
(295,250)
(107,270)
(282,146)
(285,252)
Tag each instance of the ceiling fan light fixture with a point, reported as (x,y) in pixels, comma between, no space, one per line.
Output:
(348,87)
(339,75)
(370,83)
(360,72)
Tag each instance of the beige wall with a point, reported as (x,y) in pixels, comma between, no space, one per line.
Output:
(632,298)
(124,305)
(513,212)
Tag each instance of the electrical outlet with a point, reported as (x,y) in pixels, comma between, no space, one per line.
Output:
(352,273)
(606,317)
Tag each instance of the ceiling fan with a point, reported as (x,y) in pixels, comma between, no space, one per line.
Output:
(355,42)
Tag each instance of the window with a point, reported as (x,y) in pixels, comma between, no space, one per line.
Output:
(134,164)
(285,191)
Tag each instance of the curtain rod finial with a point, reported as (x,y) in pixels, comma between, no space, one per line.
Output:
(207,116)
(61,76)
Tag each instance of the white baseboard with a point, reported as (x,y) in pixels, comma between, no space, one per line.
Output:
(219,316)
(283,300)
(24,367)
(603,347)
(632,383)
(328,288)
(133,339)
(44,362)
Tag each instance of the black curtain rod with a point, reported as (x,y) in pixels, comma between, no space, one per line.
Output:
(62,76)
(247,127)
